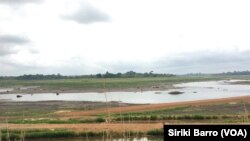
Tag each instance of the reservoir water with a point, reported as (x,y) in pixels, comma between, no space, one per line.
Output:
(192,91)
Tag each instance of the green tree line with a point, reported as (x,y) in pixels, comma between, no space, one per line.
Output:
(128,74)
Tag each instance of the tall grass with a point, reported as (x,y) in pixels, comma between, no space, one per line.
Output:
(245,117)
(0,134)
(7,131)
(108,120)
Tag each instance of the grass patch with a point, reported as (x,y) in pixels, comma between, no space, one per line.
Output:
(155,132)
(61,133)
(36,134)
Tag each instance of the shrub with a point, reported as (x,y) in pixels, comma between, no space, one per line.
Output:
(153,117)
(99,120)
(155,132)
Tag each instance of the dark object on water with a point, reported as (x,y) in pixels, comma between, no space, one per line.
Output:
(57,93)
(194,92)
(19,96)
(176,92)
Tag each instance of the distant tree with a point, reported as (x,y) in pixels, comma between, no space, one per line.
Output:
(145,74)
(119,74)
(109,75)
(130,73)
(151,72)
(99,75)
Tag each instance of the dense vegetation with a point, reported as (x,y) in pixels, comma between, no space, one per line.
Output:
(236,73)
(129,74)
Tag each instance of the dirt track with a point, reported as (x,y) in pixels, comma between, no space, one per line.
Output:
(151,107)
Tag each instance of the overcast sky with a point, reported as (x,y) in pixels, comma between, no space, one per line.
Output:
(75,37)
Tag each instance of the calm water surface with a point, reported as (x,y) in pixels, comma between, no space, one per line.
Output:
(192,91)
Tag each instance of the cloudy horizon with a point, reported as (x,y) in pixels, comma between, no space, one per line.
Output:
(77,37)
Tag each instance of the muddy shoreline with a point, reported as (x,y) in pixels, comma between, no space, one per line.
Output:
(40,90)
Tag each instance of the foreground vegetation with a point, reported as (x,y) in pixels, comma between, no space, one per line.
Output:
(15,135)
(223,113)
(233,112)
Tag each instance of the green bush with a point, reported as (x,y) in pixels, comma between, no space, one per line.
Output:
(153,117)
(155,132)
(99,120)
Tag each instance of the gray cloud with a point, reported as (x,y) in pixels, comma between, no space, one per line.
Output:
(194,62)
(11,67)
(202,61)
(19,2)
(6,50)
(87,14)
(8,43)
(13,39)
(205,62)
